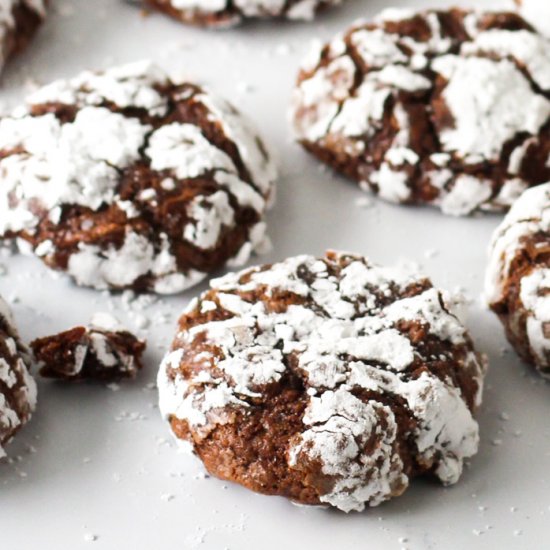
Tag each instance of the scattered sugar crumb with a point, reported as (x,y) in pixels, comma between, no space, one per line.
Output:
(364,202)
(430,253)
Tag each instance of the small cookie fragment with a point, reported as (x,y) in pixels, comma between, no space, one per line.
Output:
(17,386)
(517,284)
(126,180)
(449,108)
(536,12)
(19,20)
(102,351)
(227,13)
(328,380)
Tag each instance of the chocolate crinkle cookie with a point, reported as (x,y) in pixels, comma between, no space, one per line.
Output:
(19,20)
(537,12)
(124,179)
(328,380)
(450,108)
(226,13)
(17,387)
(104,350)
(517,285)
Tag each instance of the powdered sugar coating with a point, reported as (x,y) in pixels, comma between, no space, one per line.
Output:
(173,171)
(518,275)
(225,13)
(363,342)
(17,387)
(432,107)
(18,17)
(537,12)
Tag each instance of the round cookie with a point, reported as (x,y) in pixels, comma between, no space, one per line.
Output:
(328,380)
(124,179)
(226,13)
(17,387)
(450,108)
(517,285)
(19,20)
(536,12)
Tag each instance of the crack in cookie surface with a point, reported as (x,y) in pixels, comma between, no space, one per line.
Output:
(327,380)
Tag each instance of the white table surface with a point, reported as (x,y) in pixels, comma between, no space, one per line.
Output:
(100,464)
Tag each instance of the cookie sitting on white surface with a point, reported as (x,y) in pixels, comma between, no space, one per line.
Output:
(450,108)
(517,285)
(327,380)
(227,13)
(17,387)
(124,179)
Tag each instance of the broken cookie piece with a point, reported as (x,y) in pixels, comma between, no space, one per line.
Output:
(102,351)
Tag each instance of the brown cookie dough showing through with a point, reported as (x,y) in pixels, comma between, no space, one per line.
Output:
(227,13)
(450,108)
(517,285)
(327,380)
(104,351)
(19,20)
(17,387)
(126,180)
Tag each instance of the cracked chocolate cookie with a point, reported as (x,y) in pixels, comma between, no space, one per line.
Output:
(450,108)
(328,380)
(226,13)
(517,285)
(536,12)
(124,179)
(19,20)
(104,351)
(17,387)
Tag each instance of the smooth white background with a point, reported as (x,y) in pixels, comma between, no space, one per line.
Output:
(99,462)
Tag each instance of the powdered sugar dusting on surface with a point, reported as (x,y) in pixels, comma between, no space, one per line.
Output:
(345,329)
(526,225)
(484,82)
(54,164)
(17,387)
